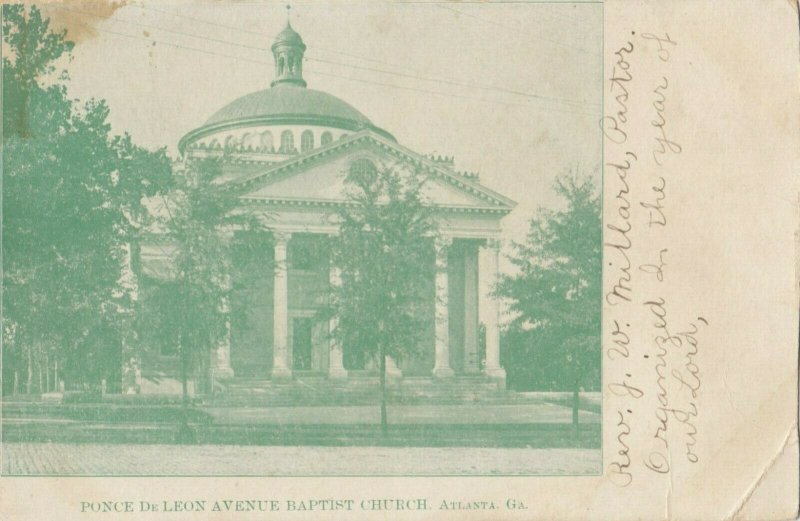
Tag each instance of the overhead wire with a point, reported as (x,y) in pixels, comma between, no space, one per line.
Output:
(571,103)
(261,34)
(321,73)
(517,28)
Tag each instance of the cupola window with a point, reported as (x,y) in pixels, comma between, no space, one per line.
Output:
(287,142)
(306,141)
(326,138)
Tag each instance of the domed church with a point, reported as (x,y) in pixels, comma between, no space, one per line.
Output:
(284,152)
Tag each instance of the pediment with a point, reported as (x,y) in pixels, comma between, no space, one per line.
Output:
(318,177)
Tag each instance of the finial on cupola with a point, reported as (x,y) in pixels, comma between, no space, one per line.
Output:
(288,49)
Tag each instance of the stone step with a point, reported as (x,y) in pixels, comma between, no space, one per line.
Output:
(340,398)
(306,393)
(311,390)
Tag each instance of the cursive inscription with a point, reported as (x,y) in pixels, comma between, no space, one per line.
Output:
(655,379)
(664,145)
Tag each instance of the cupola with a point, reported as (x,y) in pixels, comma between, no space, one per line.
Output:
(288,50)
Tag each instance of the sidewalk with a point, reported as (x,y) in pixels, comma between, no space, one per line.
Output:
(228,460)
(402,414)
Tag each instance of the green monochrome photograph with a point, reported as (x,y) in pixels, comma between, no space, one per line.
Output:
(315,239)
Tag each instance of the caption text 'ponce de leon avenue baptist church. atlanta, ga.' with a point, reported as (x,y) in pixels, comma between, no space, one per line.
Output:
(285,151)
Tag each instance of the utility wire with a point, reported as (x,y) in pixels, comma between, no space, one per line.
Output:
(321,73)
(565,101)
(571,103)
(517,28)
(574,19)
(262,35)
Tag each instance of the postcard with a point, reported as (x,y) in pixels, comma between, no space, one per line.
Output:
(400,260)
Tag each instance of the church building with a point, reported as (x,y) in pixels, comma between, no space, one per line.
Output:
(285,151)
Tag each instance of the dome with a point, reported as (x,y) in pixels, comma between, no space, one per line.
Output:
(291,104)
(286,102)
(288,37)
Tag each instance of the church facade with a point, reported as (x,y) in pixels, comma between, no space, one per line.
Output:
(285,151)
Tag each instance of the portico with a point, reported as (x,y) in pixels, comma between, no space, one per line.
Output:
(299,341)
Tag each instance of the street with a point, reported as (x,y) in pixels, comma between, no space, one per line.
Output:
(199,460)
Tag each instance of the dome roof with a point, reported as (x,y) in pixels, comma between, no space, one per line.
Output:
(288,102)
(288,37)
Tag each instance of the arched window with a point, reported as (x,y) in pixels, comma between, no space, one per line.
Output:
(214,144)
(362,172)
(287,142)
(306,141)
(326,138)
(230,142)
(266,140)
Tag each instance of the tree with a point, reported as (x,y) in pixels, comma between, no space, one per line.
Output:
(383,251)
(71,206)
(197,221)
(555,293)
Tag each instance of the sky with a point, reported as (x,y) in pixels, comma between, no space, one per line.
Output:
(512,90)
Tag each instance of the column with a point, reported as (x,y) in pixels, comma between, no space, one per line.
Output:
(221,363)
(441,368)
(471,362)
(221,367)
(336,356)
(492,315)
(280,309)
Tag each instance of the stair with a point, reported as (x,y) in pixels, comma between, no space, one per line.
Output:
(359,390)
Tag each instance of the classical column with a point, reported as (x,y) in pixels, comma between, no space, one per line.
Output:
(492,316)
(280,309)
(221,367)
(471,362)
(221,363)
(336,356)
(441,366)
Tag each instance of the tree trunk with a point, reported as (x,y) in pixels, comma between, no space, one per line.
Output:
(575,409)
(39,367)
(384,416)
(184,370)
(29,383)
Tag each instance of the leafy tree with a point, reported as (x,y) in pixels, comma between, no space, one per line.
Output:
(72,197)
(555,294)
(383,251)
(197,220)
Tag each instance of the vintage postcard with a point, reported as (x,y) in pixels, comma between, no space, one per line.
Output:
(399,260)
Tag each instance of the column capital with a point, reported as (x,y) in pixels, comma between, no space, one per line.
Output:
(443,242)
(442,245)
(281,236)
(493,244)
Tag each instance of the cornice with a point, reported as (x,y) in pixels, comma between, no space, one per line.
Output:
(429,166)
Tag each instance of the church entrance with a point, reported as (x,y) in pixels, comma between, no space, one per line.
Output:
(302,343)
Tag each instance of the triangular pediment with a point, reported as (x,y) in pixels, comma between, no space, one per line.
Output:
(318,176)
